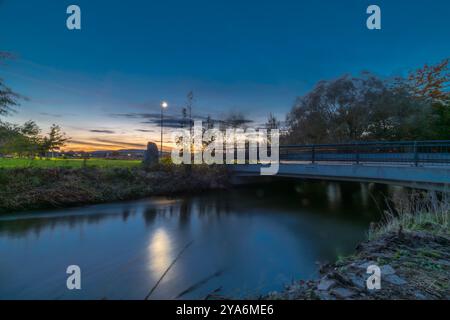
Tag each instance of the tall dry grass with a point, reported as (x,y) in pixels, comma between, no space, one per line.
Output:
(416,211)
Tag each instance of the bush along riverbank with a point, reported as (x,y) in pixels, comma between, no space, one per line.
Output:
(39,188)
(411,248)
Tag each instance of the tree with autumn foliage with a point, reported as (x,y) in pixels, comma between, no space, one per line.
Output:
(431,83)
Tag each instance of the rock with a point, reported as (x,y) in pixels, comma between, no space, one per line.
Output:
(342,293)
(325,284)
(444,262)
(365,265)
(387,270)
(324,295)
(357,281)
(151,155)
(393,279)
(420,296)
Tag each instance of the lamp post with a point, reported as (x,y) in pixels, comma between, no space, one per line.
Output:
(164,105)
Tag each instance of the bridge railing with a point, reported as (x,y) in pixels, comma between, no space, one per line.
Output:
(407,152)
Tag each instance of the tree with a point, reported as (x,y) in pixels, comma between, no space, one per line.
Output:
(8,98)
(431,84)
(272,122)
(22,140)
(184,119)
(55,140)
(209,122)
(32,140)
(8,133)
(189,105)
(350,109)
(234,120)
(441,121)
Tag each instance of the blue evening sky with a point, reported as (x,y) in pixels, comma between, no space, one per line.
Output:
(249,56)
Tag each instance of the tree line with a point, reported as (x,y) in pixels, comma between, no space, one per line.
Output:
(368,108)
(360,108)
(27,140)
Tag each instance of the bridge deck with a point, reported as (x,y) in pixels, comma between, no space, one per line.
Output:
(422,177)
(419,164)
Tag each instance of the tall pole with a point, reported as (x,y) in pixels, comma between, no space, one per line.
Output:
(164,105)
(162,124)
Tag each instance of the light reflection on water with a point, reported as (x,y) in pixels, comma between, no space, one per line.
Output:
(245,242)
(160,253)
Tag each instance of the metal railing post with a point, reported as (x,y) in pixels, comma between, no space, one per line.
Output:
(357,153)
(313,154)
(416,155)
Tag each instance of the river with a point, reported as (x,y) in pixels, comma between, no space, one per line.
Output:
(239,243)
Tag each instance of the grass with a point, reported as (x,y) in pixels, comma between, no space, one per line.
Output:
(12,163)
(421,211)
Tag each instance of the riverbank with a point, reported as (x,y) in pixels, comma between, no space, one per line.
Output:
(411,248)
(40,188)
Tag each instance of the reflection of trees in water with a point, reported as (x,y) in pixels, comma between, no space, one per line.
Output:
(346,199)
(180,209)
(125,214)
(211,206)
(23,226)
(218,204)
(149,215)
(185,212)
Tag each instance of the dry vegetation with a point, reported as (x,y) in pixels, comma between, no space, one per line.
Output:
(37,188)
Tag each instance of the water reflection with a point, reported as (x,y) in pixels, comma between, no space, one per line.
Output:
(334,195)
(244,242)
(160,253)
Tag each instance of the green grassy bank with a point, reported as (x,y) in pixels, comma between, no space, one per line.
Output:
(10,163)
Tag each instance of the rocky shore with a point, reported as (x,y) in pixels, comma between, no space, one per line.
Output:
(414,265)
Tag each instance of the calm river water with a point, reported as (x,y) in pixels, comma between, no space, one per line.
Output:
(244,242)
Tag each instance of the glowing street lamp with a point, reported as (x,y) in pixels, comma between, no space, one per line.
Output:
(164,105)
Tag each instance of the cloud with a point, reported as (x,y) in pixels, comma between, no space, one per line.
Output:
(92,144)
(168,122)
(171,121)
(106,143)
(119,143)
(137,115)
(56,115)
(102,131)
(145,130)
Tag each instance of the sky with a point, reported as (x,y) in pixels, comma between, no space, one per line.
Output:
(104,83)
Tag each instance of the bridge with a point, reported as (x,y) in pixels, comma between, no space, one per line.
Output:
(416,164)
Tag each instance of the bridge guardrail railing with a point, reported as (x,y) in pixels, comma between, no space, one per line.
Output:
(407,152)
(398,152)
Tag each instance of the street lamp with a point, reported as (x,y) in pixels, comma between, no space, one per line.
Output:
(164,105)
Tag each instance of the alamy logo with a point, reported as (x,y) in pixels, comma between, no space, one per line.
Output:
(374,280)
(374,20)
(73,21)
(233,146)
(74,280)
